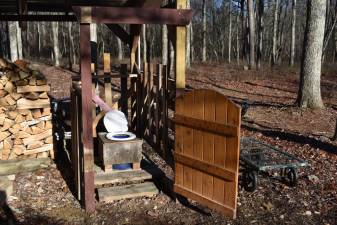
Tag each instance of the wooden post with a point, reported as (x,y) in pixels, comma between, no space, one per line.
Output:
(157,116)
(124,89)
(107,79)
(135,37)
(180,51)
(164,111)
(87,137)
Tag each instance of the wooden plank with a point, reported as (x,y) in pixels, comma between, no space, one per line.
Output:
(8,167)
(179,169)
(208,145)
(220,148)
(147,189)
(228,211)
(198,112)
(120,33)
(232,154)
(208,126)
(207,168)
(187,134)
(136,15)
(164,118)
(158,86)
(122,177)
(28,88)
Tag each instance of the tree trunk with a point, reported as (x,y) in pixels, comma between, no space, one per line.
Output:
(19,39)
(293,34)
(144,44)
(275,27)
(164,44)
(119,49)
(188,39)
(56,47)
(309,95)
(204,30)
(260,32)
(237,40)
(13,42)
(251,21)
(243,29)
(230,31)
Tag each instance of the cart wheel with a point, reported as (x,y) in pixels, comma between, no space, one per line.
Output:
(289,176)
(250,181)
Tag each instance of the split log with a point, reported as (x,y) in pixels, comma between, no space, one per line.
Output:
(32,96)
(35,145)
(31,139)
(45,148)
(35,104)
(49,140)
(19,149)
(19,166)
(4,135)
(28,88)
(3,93)
(44,95)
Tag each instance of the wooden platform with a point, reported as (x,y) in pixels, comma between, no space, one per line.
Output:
(110,194)
(121,177)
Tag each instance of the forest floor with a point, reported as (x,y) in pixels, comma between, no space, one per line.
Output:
(44,197)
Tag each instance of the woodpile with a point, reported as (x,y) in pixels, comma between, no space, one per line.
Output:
(25,117)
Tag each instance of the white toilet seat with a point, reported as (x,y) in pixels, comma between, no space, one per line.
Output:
(121,136)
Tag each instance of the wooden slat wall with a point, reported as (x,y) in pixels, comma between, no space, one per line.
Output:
(151,107)
(219,150)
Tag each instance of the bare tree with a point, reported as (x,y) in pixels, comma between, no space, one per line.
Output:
(309,95)
(144,43)
(237,39)
(56,47)
(230,31)
(260,8)
(164,44)
(119,49)
(188,39)
(293,34)
(275,29)
(19,39)
(204,30)
(251,21)
(13,42)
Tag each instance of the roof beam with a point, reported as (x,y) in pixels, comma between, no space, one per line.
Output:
(120,33)
(129,15)
(16,17)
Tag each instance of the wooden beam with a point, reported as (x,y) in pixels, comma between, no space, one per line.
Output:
(128,15)
(135,37)
(37,17)
(205,167)
(212,127)
(120,33)
(87,135)
(180,52)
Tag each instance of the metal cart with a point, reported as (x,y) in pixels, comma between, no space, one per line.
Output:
(256,157)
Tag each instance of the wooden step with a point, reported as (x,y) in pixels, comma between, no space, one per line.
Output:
(111,194)
(121,177)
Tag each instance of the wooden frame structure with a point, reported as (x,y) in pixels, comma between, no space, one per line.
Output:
(206,115)
(178,18)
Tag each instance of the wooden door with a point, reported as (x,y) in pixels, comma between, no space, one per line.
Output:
(207,149)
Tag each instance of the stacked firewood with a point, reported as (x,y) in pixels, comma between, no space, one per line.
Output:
(25,117)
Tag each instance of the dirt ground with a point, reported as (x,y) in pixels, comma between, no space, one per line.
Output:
(45,197)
